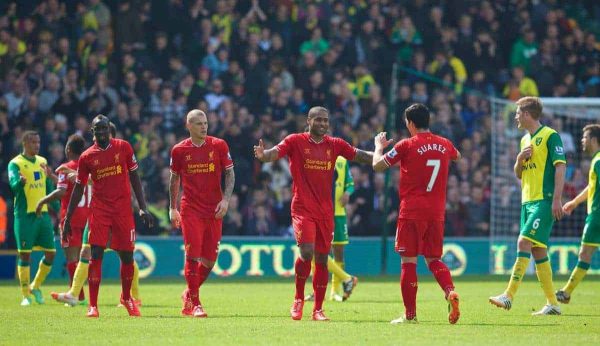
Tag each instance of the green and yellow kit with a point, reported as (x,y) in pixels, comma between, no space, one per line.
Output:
(343,183)
(31,232)
(537,184)
(591,231)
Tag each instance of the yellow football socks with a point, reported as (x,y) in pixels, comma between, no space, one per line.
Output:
(135,283)
(544,274)
(336,281)
(576,276)
(23,271)
(41,274)
(334,268)
(517,273)
(81,274)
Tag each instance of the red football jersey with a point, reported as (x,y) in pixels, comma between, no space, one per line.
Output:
(312,166)
(109,169)
(82,211)
(424,161)
(200,168)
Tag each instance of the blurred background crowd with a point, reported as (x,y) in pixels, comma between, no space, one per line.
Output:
(257,66)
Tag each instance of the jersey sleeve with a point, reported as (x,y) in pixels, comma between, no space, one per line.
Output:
(83,171)
(14,178)
(349,181)
(285,146)
(453,152)
(131,161)
(174,162)
(395,155)
(555,149)
(344,149)
(225,155)
(62,182)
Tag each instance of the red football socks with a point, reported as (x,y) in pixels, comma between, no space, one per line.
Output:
(320,279)
(442,275)
(94,277)
(190,270)
(126,278)
(409,286)
(302,269)
(203,273)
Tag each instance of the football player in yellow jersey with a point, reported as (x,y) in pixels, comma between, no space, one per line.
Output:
(30,181)
(590,240)
(541,166)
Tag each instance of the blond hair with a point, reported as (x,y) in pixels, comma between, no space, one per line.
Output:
(531,105)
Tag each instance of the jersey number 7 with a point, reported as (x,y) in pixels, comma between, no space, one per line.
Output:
(434,174)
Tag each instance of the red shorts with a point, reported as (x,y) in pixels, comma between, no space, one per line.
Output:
(313,231)
(416,237)
(201,236)
(116,230)
(74,239)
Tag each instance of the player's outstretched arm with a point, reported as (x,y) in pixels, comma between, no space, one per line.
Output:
(264,155)
(53,196)
(575,202)
(174,183)
(136,184)
(363,156)
(381,142)
(50,173)
(222,207)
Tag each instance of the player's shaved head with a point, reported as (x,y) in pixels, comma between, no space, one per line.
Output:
(100,118)
(316,111)
(101,130)
(197,125)
(193,114)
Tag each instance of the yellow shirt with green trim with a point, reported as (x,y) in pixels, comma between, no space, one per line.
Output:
(343,182)
(37,184)
(537,179)
(593,200)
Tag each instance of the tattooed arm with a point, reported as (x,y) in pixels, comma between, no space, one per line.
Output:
(222,207)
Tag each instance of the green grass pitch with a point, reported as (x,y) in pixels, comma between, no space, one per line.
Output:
(256,311)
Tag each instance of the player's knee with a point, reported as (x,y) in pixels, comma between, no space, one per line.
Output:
(49,257)
(406,259)
(24,256)
(524,245)
(97,253)
(85,254)
(126,256)
(320,258)
(585,254)
(307,254)
(207,263)
(431,259)
(539,252)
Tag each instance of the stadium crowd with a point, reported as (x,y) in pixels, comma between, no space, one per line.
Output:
(257,66)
